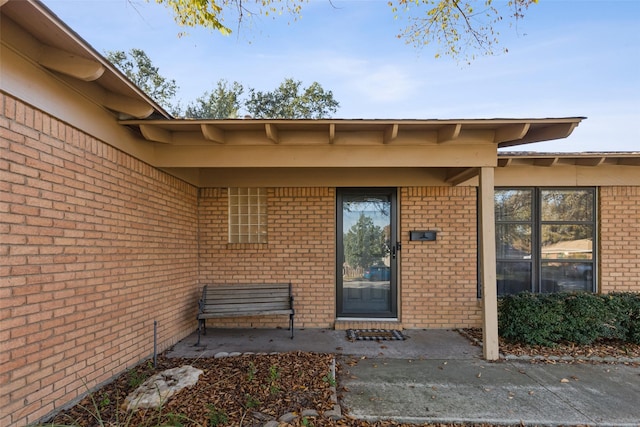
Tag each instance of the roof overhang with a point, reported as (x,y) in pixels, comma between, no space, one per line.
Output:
(553,169)
(340,143)
(499,132)
(592,159)
(34,33)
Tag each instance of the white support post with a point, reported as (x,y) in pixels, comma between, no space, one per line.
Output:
(487,232)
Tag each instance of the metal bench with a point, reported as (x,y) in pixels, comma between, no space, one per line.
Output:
(242,300)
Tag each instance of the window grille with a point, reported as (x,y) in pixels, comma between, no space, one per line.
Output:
(546,239)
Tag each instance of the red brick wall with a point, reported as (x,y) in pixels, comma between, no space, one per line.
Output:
(95,246)
(439,278)
(620,239)
(300,249)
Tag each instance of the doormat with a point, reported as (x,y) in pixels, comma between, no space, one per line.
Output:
(374,335)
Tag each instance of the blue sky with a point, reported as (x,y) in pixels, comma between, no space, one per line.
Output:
(566,58)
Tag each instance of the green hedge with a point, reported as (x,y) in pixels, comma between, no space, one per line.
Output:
(581,318)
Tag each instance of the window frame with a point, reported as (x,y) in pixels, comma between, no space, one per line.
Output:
(533,237)
(537,223)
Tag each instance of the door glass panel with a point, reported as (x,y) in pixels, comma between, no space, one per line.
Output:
(366,259)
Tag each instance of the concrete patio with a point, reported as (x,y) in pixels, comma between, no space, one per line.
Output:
(420,344)
(439,376)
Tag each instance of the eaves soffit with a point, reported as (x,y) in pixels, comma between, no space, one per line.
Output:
(592,159)
(500,132)
(37,34)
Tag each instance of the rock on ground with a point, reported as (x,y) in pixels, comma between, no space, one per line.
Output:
(156,390)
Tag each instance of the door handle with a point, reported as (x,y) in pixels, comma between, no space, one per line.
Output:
(395,249)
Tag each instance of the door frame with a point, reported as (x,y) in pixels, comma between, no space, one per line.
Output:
(392,193)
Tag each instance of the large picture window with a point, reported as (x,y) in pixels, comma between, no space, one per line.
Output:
(545,239)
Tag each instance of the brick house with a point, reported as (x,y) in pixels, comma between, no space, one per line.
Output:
(114,214)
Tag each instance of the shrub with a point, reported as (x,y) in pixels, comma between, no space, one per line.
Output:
(629,315)
(582,318)
(584,314)
(616,326)
(529,318)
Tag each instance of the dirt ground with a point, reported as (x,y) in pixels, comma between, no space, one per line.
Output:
(250,390)
(603,349)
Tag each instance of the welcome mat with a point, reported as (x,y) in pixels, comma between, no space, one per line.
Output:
(374,335)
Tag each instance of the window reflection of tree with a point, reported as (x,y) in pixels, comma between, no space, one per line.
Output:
(513,205)
(567,205)
(364,243)
(556,233)
(367,204)
(564,213)
(514,215)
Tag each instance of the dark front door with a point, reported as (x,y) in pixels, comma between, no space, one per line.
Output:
(367,253)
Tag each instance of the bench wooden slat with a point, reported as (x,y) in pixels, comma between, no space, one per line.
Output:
(257,301)
(243,314)
(275,286)
(229,299)
(246,296)
(247,307)
(243,300)
(244,307)
(279,292)
(241,296)
(248,289)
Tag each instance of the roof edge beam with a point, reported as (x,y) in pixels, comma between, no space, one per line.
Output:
(272,132)
(503,163)
(551,132)
(511,132)
(70,64)
(213,133)
(628,161)
(547,161)
(154,133)
(449,133)
(459,176)
(124,104)
(590,161)
(390,133)
(320,155)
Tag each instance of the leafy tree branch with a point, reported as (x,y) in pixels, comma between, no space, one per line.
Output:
(454,26)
